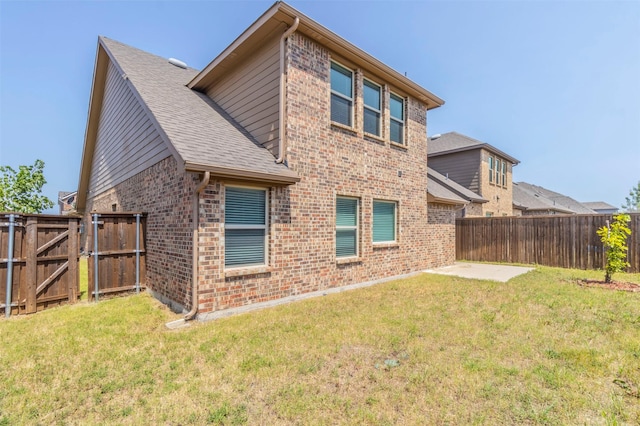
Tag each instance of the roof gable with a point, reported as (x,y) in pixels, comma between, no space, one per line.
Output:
(452,142)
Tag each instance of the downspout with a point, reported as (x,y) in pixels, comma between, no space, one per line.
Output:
(283,81)
(195,220)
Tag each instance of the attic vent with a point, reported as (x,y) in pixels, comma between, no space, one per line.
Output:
(436,136)
(178,63)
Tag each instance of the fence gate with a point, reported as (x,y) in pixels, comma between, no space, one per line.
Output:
(38,262)
(117,253)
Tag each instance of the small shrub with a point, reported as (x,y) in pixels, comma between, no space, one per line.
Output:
(614,238)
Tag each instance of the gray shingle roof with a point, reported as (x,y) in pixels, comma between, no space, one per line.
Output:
(451,142)
(533,197)
(442,187)
(201,133)
(599,205)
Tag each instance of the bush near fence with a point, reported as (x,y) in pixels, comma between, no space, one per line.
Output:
(566,241)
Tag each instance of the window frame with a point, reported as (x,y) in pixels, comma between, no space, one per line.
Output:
(264,227)
(403,102)
(498,168)
(351,99)
(355,227)
(395,221)
(370,83)
(491,162)
(504,173)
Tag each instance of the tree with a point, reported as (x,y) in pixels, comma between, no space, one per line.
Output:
(632,202)
(614,237)
(20,191)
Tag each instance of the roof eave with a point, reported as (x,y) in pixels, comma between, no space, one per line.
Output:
(434,199)
(243,174)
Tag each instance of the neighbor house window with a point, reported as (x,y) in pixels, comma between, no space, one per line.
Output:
(498,167)
(341,95)
(372,107)
(396,123)
(504,174)
(384,221)
(491,169)
(245,226)
(346,226)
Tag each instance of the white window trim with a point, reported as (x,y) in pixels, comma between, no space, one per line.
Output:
(404,117)
(492,163)
(239,226)
(378,111)
(353,93)
(395,221)
(350,227)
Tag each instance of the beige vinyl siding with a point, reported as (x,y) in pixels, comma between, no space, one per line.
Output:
(462,167)
(127,141)
(249,94)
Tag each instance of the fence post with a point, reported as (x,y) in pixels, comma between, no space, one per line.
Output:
(32,264)
(7,306)
(137,252)
(73,260)
(95,256)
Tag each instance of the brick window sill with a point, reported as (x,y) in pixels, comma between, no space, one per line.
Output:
(250,270)
(399,145)
(348,260)
(341,126)
(392,244)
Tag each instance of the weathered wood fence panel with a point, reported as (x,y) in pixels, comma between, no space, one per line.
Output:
(44,262)
(116,253)
(564,241)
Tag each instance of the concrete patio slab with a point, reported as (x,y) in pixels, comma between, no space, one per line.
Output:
(481,271)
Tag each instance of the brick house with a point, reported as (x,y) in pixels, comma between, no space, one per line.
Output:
(294,162)
(478,167)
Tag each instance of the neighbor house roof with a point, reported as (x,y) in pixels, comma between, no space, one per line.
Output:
(281,16)
(532,197)
(442,189)
(200,135)
(452,142)
(599,205)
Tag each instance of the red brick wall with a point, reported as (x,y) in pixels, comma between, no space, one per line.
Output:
(331,161)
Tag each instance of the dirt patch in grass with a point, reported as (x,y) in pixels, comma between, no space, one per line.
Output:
(614,285)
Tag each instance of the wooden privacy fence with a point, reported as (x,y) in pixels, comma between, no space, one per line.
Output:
(563,241)
(117,255)
(38,262)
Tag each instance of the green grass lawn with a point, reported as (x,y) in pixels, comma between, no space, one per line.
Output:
(426,350)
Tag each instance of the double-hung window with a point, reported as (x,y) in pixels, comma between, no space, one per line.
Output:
(384,221)
(504,174)
(372,107)
(491,169)
(396,123)
(346,227)
(498,167)
(341,95)
(245,227)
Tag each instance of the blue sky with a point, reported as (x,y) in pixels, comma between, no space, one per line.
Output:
(554,84)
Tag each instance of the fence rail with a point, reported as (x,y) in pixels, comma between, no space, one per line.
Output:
(564,241)
(38,262)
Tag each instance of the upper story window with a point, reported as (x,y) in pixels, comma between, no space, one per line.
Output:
(396,124)
(245,225)
(372,106)
(504,174)
(346,227)
(341,95)
(491,169)
(498,167)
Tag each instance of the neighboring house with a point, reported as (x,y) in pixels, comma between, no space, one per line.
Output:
(477,166)
(601,207)
(536,200)
(292,163)
(67,202)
